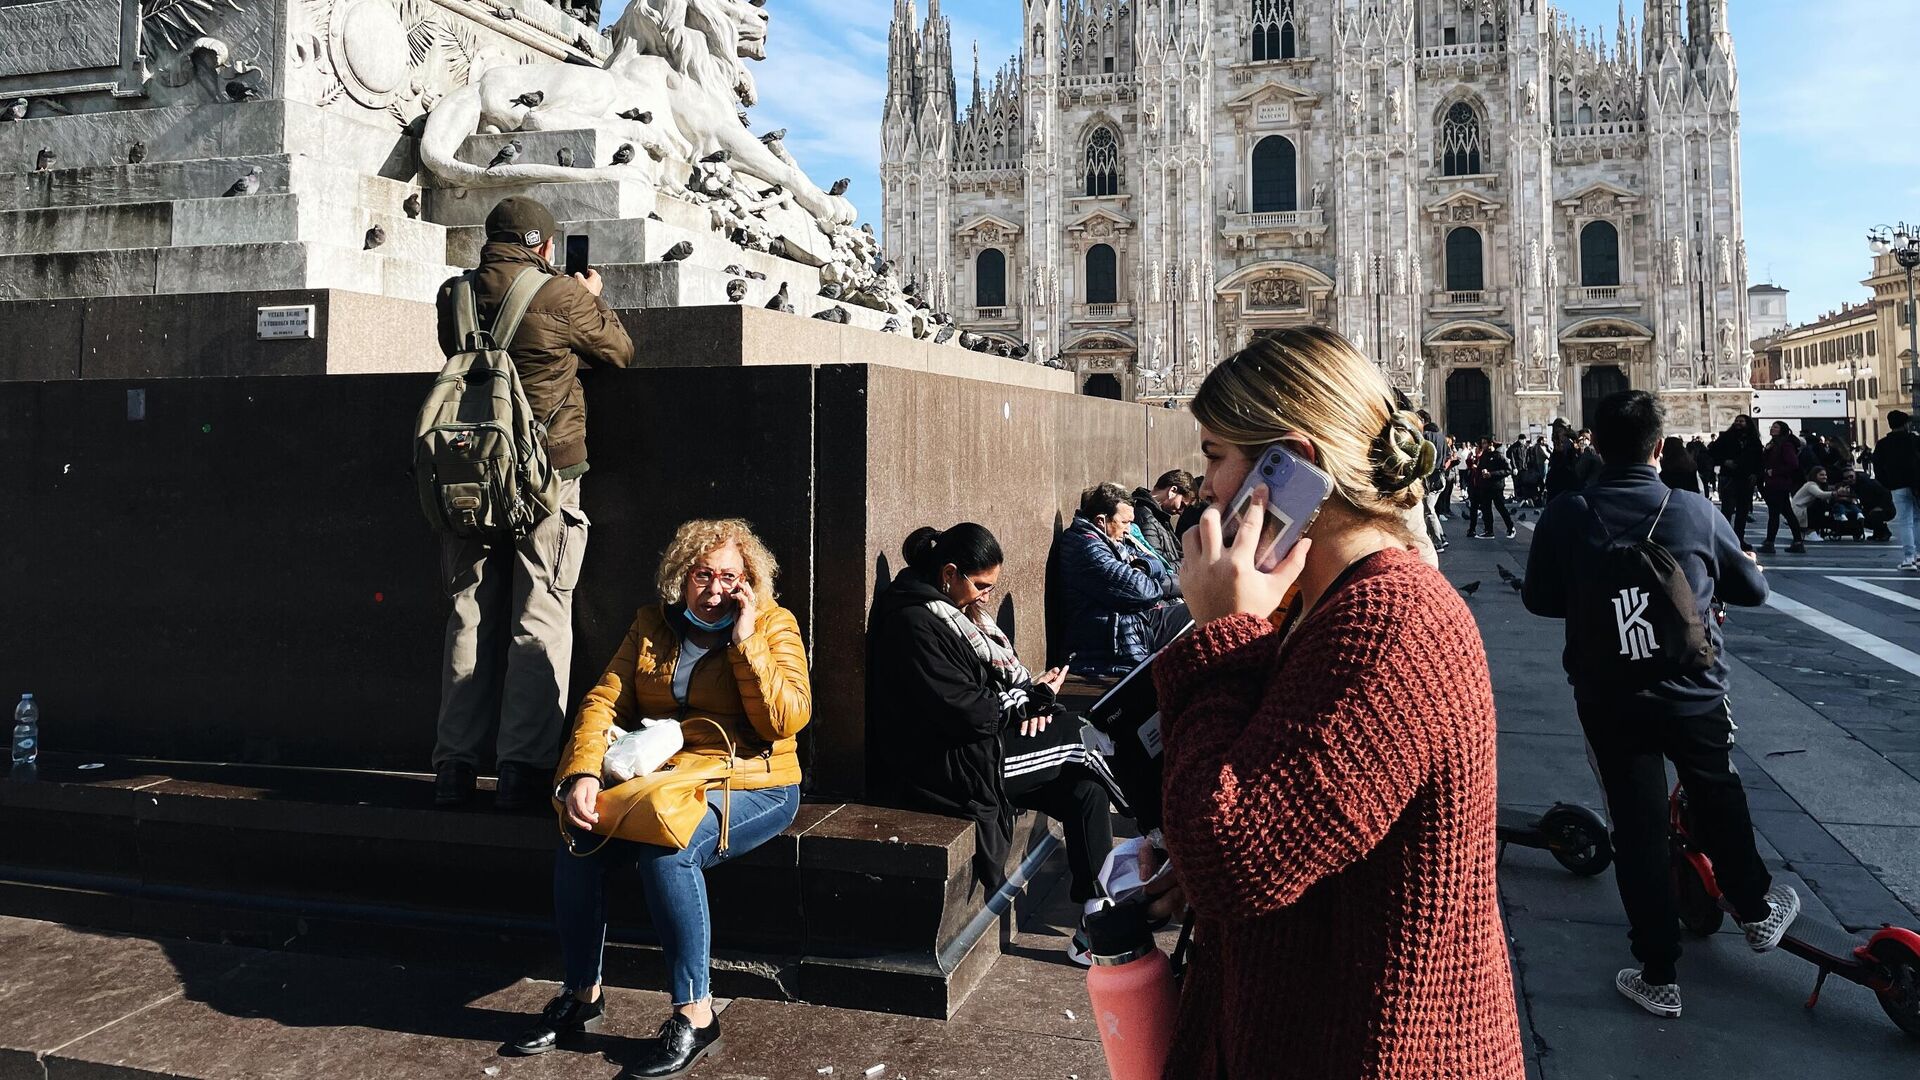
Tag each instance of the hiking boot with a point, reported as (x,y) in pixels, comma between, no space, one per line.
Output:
(1766,933)
(677,1048)
(564,1016)
(452,784)
(1660,999)
(1796,548)
(518,788)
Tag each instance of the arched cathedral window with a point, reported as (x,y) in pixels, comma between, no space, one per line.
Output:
(990,279)
(1465,267)
(1103,278)
(1103,163)
(1275,37)
(1461,142)
(1599,254)
(1275,176)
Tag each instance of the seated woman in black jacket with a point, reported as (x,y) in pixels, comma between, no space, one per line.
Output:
(944,689)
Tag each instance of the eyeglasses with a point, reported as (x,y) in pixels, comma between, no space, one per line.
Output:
(704,577)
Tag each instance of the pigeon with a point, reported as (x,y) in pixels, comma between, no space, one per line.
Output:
(975,342)
(768,193)
(781,301)
(580,42)
(911,288)
(1021,351)
(744,122)
(246,185)
(508,155)
(375,237)
(44,159)
(737,290)
(678,252)
(718,157)
(831,290)
(768,139)
(834,314)
(756,275)
(1516,584)
(1469,588)
(867,227)
(531,99)
(944,318)
(892,326)
(944,335)
(16,111)
(651,216)
(136,152)
(565,157)
(636,115)
(1003,350)
(840,186)
(244,89)
(504,14)
(1506,575)
(733,269)
(624,154)
(412,205)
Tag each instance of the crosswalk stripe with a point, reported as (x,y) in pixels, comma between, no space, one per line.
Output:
(1874,590)
(1847,633)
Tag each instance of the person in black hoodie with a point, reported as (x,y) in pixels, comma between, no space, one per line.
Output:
(1737,454)
(944,695)
(1632,734)
(1490,489)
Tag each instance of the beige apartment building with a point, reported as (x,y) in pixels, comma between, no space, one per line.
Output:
(1894,364)
(1846,348)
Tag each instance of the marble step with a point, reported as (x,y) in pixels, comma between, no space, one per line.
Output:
(212,130)
(202,222)
(205,178)
(250,267)
(679,284)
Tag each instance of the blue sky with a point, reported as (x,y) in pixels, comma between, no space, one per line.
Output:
(1823,87)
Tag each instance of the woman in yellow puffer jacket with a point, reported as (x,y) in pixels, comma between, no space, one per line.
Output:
(716,647)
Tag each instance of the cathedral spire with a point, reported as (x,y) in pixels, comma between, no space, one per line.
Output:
(1663,30)
(976,71)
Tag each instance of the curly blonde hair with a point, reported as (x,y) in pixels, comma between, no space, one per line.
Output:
(697,538)
(1310,381)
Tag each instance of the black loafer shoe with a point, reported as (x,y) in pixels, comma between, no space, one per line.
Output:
(452,784)
(517,788)
(564,1016)
(679,1047)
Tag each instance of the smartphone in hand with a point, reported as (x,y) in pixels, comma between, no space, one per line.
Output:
(1296,490)
(577,254)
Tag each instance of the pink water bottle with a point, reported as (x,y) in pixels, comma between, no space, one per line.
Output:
(1131,987)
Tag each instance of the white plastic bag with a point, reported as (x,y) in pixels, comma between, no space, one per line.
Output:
(1124,875)
(637,753)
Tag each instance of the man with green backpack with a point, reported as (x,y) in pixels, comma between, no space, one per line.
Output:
(499,450)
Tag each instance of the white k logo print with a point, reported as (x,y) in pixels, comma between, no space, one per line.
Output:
(1630,618)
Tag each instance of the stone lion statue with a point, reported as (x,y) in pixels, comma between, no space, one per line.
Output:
(680,60)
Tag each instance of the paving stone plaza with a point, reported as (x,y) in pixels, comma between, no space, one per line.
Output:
(223,225)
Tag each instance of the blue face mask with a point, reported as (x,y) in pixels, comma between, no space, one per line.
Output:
(711,627)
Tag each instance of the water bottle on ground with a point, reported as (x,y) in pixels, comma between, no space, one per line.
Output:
(1131,987)
(26,731)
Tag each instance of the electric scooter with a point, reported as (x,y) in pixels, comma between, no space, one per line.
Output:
(1577,837)
(1886,962)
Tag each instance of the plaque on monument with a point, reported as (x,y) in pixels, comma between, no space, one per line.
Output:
(292,321)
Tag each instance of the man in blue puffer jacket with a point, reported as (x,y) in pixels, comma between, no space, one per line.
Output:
(1116,605)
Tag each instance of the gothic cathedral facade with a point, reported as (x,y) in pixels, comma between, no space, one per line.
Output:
(1513,216)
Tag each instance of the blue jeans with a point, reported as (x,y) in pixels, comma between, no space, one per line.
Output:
(1906,521)
(676,887)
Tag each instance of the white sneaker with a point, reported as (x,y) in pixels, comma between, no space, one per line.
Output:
(1911,566)
(1765,934)
(1658,999)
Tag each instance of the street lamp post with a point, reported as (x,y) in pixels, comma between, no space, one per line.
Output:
(1903,244)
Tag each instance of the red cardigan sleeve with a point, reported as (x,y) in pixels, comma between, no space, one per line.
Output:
(1285,767)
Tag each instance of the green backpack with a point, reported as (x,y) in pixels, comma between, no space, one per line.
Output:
(479,455)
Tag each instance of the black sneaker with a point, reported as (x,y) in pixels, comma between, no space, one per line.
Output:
(452,784)
(564,1016)
(1765,549)
(677,1048)
(1796,548)
(518,788)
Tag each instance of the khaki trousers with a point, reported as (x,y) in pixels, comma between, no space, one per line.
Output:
(509,640)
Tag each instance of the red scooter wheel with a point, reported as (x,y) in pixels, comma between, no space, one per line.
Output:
(1901,1000)
(1699,912)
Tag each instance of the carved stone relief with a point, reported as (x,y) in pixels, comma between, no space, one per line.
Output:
(1276,293)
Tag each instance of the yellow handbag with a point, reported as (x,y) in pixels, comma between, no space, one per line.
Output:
(665,806)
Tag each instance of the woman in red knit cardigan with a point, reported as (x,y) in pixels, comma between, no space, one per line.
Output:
(1330,778)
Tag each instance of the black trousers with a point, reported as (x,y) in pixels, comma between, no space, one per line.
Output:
(1079,802)
(1485,502)
(1630,749)
(1780,506)
(1736,502)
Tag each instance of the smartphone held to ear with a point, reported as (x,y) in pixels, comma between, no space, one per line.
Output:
(1295,492)
(577,254)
